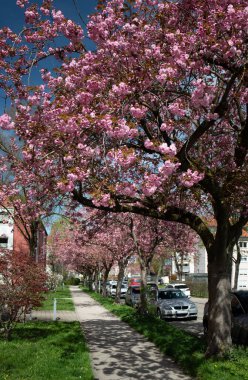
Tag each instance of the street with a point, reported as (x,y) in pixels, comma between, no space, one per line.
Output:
(194,327)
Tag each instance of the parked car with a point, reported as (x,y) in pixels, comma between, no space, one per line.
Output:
(174,304)
(132,297)
(239,310)
(182,287)
(111,290)
(134,281)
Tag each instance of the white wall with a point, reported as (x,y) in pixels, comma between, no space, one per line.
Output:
(6,228)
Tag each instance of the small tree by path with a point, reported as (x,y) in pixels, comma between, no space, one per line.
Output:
(22,288)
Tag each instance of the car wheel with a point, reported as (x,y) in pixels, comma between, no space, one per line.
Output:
(159,314)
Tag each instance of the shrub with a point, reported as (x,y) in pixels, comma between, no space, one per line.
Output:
(73,281)
(22,288)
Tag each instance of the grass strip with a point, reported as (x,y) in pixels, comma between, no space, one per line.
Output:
(45,351)
(186,349)
(59,294)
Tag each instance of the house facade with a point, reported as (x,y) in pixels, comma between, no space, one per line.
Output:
(197,266)
(13,239)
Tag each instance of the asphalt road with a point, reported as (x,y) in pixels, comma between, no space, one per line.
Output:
(194,327)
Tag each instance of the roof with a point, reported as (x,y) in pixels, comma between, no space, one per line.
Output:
(212,223)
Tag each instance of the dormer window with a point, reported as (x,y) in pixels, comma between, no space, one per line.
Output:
(3,217)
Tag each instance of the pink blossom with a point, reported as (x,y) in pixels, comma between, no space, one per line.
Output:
(22,3)
(138,112)
(6,122)
(165,149)
(149,144)
(167,168)
(190,178)
(176,109)
(31,16)
(72,177)
(122,89)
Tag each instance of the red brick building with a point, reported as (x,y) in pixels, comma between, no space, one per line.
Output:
(12,238)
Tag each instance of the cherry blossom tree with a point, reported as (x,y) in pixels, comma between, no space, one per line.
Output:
(153,122)
(21,198)
(181,244)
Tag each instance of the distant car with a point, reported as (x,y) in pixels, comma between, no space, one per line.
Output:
(132,297)
(134,281)
(182,287)
(174,304)
(239,310)
(111,290)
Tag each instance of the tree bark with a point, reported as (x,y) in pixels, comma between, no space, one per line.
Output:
(122,265)
(237,263)
(144,267)
(105,278)
(219,287)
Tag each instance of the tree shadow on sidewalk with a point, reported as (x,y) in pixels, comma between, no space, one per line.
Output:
(118,352)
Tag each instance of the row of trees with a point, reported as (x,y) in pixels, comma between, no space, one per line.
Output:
(153,122)
(94,245)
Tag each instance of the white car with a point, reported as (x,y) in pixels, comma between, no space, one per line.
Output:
(182,287)
(111,291)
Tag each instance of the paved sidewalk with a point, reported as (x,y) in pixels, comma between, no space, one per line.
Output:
(117,351)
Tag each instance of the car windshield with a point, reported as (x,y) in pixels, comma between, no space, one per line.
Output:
(181,287)
(167,295)
(136,291)
(243,299)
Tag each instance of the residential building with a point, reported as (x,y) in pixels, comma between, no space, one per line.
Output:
(198,265)
(12,238)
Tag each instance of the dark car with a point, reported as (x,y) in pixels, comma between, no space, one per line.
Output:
(239,309)
(132,297)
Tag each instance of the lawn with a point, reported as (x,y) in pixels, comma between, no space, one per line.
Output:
(62,304)
(187,350)
(45,351)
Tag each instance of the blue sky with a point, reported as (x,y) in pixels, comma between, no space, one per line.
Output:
(13,17)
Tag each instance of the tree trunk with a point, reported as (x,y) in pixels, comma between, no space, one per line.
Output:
(90,281)
(33,240)
(237,263)
(178,266)
(219,287)
(104,281)
(96,280)
(143,285)
(122,265)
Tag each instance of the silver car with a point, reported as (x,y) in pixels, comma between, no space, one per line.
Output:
(174,304)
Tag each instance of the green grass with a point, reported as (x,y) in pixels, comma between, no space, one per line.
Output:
(187,350)
(45,351)
(62,304)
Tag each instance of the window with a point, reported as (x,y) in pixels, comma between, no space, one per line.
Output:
(244,258)
(243,244)
(3,242)
(3,217)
